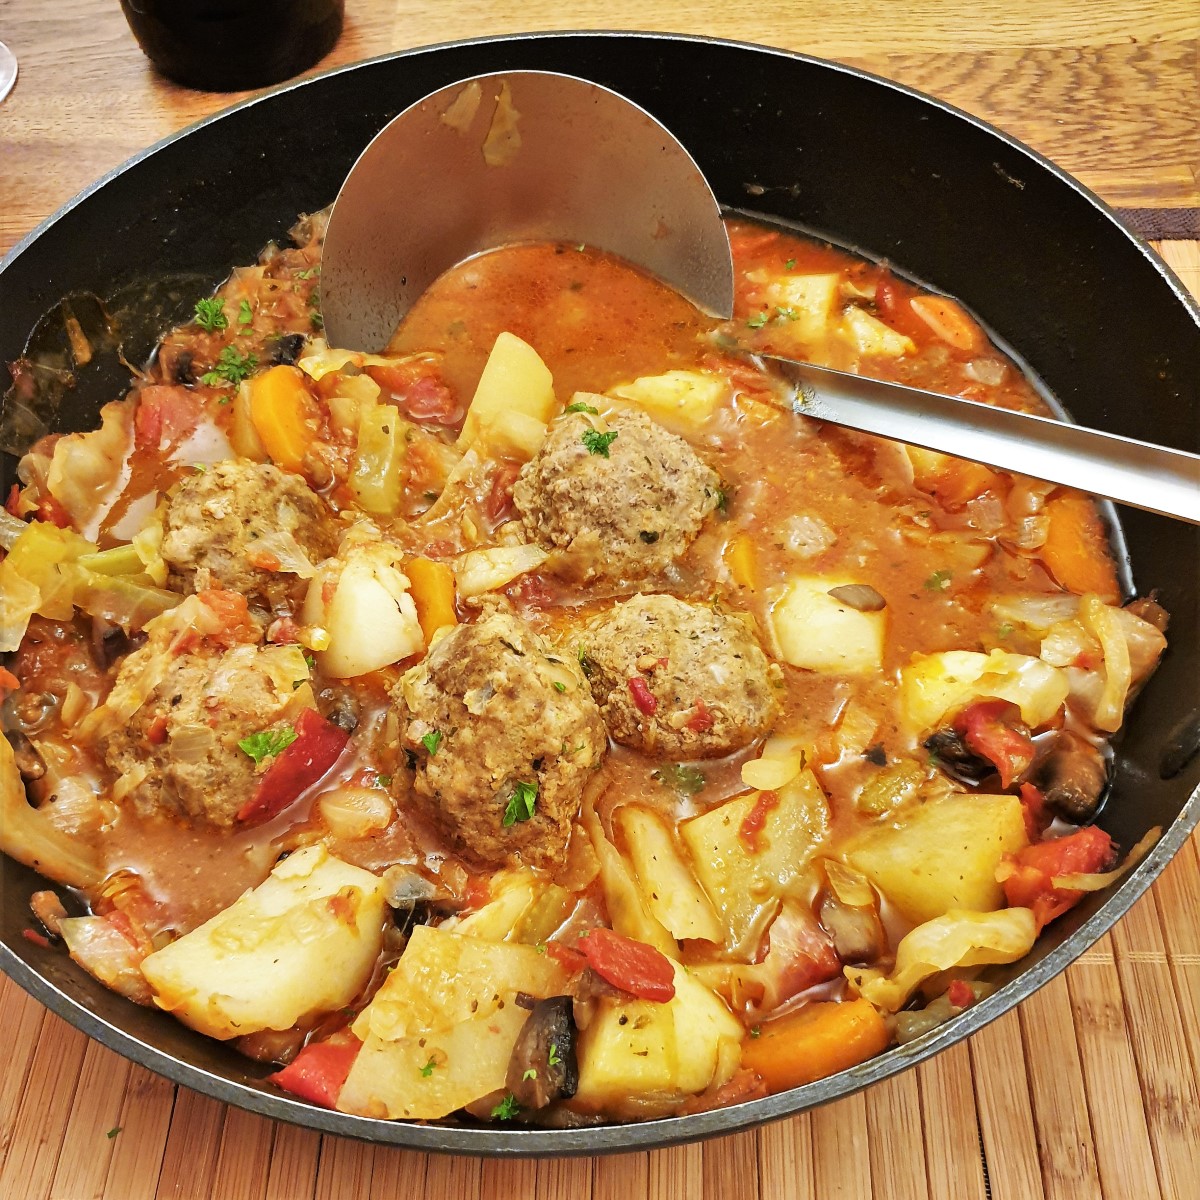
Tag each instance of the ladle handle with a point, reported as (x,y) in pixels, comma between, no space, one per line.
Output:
(1146,476)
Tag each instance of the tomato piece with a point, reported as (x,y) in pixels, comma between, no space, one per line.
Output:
(643,697)
(420,393)
(570,960)
(1033,804)
(1032,870)
(8,682)
(318,1073)
(631,966)
(51,510)
(959,994)
(498,501)
(756,818)
(13,504)
(993,729)
(701,721)
(234,614)
(166,414)
(318,745)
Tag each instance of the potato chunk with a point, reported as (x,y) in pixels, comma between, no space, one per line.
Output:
(807,301)
(690,397)
(816,631)
(641,1049)
(743,882)
(302,943)
(514,379)
(942,855)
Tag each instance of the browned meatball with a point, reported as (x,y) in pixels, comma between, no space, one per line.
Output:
(622,499)
(503,734)
(238,524)
(179,755)
(678,680)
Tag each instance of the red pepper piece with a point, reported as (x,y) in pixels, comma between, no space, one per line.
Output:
(959,994)
(1030,886)
(993,729)
(318,745)
(643,697)
(318,1073)
(631,966)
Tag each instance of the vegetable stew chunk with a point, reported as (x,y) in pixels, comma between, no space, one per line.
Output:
(198,744)
(502,734)
(677,679)
(248,527)
(621,497)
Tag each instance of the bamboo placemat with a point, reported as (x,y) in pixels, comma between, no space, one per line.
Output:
(1090,1090)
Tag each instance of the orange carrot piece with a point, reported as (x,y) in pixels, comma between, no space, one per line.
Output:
(1076,549)
(282,411)
(432,584)
(949,322)
(819,1040)
(740,557)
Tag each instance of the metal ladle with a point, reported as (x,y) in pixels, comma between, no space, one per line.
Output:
(525,156)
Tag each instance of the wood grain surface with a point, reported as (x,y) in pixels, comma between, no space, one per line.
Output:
(1090,1089)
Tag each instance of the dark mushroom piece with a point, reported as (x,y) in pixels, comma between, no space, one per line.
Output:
(857,932)
(956,757)
(1072,776)
(285,349)
(543,1066)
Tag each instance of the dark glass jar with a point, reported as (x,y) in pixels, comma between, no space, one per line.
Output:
(228,45)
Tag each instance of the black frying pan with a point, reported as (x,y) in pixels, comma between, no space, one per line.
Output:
(1094,313)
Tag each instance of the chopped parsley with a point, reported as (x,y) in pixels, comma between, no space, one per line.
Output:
(684,780)
(540,947)
(383,780)
(757,321)
(232,367)
(308,273)
(520,804)
(312,662)
(506,1109)
(585,663)
(787,314)
(722,501)
(939,581)
(112,1133)
(790,265)
(210,314)
(597,442)
(1005,630)
(431,741)
(245,313)
(316,320)
(530,1074)
(427,1069)
(268,743)
(579,406)
(553,1060)
(559,687)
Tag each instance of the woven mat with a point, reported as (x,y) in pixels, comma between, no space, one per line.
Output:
(1088,1091)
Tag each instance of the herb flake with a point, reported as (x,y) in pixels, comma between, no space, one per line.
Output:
(757,321)
(245,313)
(231,367)
(431,741)
(427,1069)
(267,744)
(680,778)
(521,803)
(210,314)
(597,442)
(559,687)
(506,1109)
(939,581)
(579,406)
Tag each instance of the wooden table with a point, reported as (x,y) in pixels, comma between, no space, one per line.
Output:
(1091,1089)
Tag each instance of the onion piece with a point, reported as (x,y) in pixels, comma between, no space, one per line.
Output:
(356,812)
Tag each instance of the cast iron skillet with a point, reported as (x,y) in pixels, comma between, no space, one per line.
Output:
(873,164)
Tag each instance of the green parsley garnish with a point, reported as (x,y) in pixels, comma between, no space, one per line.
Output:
(684,780)
(431,741)
(308,272)
(232,367)
(579,406)
(597,442)
(757,321)
(506,1109)
(268,743)
(790,265)
(112,1133)
(939,581)
(540,947)
(245,313)
(199,468)
(1005,630)
(559,687)
(787,314)
(316,320)
(585,663)
(383,780)
(530,1074)
(427,1069)
(520,804)
(553,1059)
(312,662)
(210,314)
(722,501)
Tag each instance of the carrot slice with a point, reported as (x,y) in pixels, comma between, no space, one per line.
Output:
(432,586)
(282,411)
(1076,548)
(819,1040)
(740,557)
(948,321)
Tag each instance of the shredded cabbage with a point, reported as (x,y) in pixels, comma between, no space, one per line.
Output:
(958,939)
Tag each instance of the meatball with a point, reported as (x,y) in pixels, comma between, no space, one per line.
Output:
(179,755)
(233,525)
(502,734)
(677,679)
(621,503)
